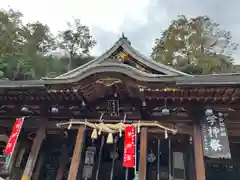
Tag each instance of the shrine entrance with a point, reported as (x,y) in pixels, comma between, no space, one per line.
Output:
(165,157)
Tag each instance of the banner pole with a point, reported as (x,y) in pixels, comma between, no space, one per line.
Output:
(126,173)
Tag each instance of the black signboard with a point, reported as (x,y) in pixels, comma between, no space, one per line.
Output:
(214,136)
(113,107)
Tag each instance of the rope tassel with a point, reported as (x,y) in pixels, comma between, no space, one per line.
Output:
(110,138)
(166,134)
(94,134)
(70,125)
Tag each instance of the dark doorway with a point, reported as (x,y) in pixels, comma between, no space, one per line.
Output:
(166,158)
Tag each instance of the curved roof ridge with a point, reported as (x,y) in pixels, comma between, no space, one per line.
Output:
(113,48)
(117,65)
(117,68)
(126,45)
(144,59)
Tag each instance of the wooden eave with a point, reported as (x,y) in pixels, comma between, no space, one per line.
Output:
(229,79)
(22,84)
(90,88)
(117,70)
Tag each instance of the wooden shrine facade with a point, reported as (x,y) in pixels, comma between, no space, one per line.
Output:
(120,83)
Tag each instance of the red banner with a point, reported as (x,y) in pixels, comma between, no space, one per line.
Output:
(129,147)
(13,137)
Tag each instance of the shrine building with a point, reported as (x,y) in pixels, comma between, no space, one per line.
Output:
(121,116)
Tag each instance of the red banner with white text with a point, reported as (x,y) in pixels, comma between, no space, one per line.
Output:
(13,137)
(129,147)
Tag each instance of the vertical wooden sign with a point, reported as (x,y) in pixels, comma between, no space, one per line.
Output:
(214,136)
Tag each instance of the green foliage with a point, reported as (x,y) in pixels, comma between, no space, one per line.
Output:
(76,41)
(10,24)
(38,38)
(25,50)
(195,46)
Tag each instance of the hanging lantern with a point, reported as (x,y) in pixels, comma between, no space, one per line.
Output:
(209,112)
(165,111)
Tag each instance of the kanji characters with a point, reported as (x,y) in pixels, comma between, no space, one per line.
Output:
(129,147)
(215,145)
(211,119)
(213,131)
(215,136)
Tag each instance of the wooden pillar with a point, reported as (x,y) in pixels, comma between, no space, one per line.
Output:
(14,156)
(39,166)
(62,163)
(143,154)
(32,158)
(198,153)
(76,159)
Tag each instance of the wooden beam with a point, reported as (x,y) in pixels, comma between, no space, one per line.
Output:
(181,129)
(143,154)
(39,166)
(198,153)
(76,159)
(32,158)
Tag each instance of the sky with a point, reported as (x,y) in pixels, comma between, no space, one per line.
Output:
(141,20)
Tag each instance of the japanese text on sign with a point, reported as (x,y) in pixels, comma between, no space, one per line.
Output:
(215,139)
(129,147)
(13,137)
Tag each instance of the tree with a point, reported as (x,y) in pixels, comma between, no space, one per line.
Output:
(23,48)
(195,46)
(38,42)
(26,51)
(10,24)
(37,38)
(76,41)
(10,40)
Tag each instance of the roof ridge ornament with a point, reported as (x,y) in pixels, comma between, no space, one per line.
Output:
(124,37)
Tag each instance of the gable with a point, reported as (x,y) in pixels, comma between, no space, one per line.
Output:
(123,53)
(121,57)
